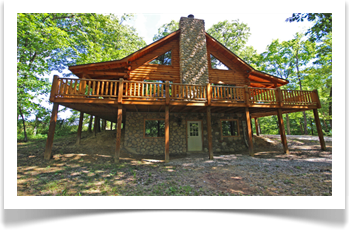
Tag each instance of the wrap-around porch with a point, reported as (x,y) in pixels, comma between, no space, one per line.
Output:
(110,99)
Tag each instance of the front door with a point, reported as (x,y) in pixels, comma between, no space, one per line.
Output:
(194,135)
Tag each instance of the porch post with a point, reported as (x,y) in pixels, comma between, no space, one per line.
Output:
(282,131)
(209,134)
(167,134)
(90,124)
(249,131)
(118,134)
(80,128)
(104,124)
(51,132)
(256,124)
(95,126)
(319,129)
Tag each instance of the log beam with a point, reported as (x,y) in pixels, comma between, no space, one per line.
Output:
(249,132)
(167,134)
(51,132)
(118,134)
(256,124)
(282,131)
(80,128)
(209,134)
(319,129)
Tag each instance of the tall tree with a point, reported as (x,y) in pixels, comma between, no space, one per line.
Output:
(47,42)
(322,24)
(233,34)
(166,29)
(277,61)
(303,52)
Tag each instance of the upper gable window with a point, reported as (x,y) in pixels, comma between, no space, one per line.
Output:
(164,59)
(217,64)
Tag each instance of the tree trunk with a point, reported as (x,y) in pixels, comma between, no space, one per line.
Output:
(288,124)
(330,108)
(301,126)
(300,87)
(305,123)
(35,125)
(24,128)
(311,127)
(90,124)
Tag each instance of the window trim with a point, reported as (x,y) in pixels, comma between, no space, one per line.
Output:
(151,119)
(237,123)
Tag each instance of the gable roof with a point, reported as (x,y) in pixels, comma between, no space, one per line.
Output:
(257,78)
(254,75)
(126,60)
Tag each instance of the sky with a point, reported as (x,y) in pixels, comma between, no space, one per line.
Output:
(263,27)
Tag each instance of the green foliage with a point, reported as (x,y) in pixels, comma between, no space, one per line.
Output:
(232,35)
(48,42)
(166,29)
(154,128)
(322,24)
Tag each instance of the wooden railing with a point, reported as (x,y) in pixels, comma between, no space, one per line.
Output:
(133,90)
(84,88)
(263,96)
(299,97)
(188,92)
(144,90)
(228,93)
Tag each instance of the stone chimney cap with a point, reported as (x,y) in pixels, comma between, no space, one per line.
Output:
(190,16)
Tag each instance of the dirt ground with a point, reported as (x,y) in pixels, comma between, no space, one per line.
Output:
(89,169)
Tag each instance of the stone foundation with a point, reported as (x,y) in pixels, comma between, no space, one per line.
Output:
(136,143)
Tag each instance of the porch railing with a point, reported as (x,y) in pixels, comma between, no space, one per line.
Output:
(134,90)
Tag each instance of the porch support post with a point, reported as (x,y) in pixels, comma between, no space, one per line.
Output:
(118,134)
(256,124)
(80,128)
(104,124)
(51,132)
(282,131)
(209,134)
(90,124)
(319,129)
(167,134)
(95,125)
(249,131)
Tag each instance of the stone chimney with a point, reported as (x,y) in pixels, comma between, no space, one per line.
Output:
(192,51)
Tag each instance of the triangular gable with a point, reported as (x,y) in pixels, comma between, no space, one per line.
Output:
(127,61)
(260,79)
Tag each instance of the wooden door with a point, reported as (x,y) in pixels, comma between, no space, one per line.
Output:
(194,135)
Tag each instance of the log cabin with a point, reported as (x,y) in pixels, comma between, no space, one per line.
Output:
(168,98)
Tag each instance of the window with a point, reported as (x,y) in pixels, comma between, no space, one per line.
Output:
(229,128)
(164,59)
(217,64)
(194,129)
(154,128)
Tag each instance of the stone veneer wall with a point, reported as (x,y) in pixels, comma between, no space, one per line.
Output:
(192,51)
(136,144)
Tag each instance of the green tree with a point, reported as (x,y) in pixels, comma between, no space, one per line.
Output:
(322,24)
(232,35)
(48,42)
(166,29)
